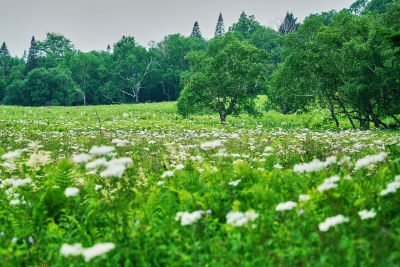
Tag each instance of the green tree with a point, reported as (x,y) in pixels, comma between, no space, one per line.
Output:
(196,31)
(220,28)
(245,27)
(226,78)
(5,59)
(288,25)
(33,54)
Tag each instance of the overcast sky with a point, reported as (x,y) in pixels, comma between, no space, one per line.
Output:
(93,24)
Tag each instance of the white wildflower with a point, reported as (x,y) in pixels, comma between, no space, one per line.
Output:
(71,191)
(160,182)
(16,182)
(97,187)
(120,143)
(96,163)
(38,159)
(365,214)
(278,166)
(315,165)
(97,250)
(268,149)
(102,150)
(12,155)
(238,218)
(303,198)
(180,166)
(391,188)
(286,206)
(167,173)
(116,170)
(71,250)
(210,145)
(329,183)
(81,158)
(187,217)
(370,159)
(332,221)
(235,183)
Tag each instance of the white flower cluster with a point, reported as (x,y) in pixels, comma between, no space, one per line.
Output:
(315,165)
(71,191)
(392,187)
(234,183)
(238,218)
(365,214)
(15,182)
(88,253)
(329,183)
(120,143)
(303,198)
(370,159)
(187,217)
(82,158)
(114,167)
(332,221)
(210,145)
(286,206)
(101,150)
(12,155)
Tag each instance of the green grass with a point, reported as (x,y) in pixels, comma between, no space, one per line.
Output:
(137,211)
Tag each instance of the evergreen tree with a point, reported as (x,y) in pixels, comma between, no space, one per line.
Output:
(288,25)
(220,29)
(196,31)
(108,49)
(245,27)
(32,61)
(4,51)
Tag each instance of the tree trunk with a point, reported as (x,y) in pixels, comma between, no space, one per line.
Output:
(223,119)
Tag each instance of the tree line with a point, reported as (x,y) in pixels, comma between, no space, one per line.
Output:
(345,61)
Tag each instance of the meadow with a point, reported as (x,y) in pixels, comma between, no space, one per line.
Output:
(138,185)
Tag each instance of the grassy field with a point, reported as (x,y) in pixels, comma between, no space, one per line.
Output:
(137,185)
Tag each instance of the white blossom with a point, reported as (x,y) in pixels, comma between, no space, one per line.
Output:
(97,250)
(71,250)
(370,159)
(116,170)
(238,218)
(286,206)
(16,182)
(187,217)
(391,188)
(315,165)
(167,173)
(12,154)
(81,158)
(303,198)
(235,183)
(332,221)
(210,145)
(102,150)
(365,214)
(71,191)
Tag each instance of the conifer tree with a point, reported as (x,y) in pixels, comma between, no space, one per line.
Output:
(288,25)
(4,51)
(108,48)
(196,31)
(220,28)
(32,61)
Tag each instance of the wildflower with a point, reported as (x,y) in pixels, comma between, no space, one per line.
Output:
(187,217)
(30,240)
(97,250)
(268,149)
(179,167)
(160,182)
(97,187)
(210,145)
(303,198)
(208,212)
(71,191)
(120,142)
(329,183)
(286,206)
(332,221)
(315,165)
(278,166)
(370,159)
(235,183)
(301,212)
(16,202)
(96,163)
(391,188)
(238,218)
(81,158)
(113,170)
(365,214)
(167,173)
(12,154)
(71,250)
(102,150)
(14,240)
(16,182)
(38,159)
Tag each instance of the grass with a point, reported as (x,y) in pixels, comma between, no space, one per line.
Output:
(251,169)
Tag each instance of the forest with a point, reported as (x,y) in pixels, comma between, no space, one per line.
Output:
(343,61)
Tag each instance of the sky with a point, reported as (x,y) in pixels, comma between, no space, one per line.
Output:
(93,24)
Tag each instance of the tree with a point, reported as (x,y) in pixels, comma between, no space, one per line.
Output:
(32,60)
(245,27)
(220,28)
(129,69)
(226,78)
(5,59)
(196,31)
(4,51)
(288,25)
